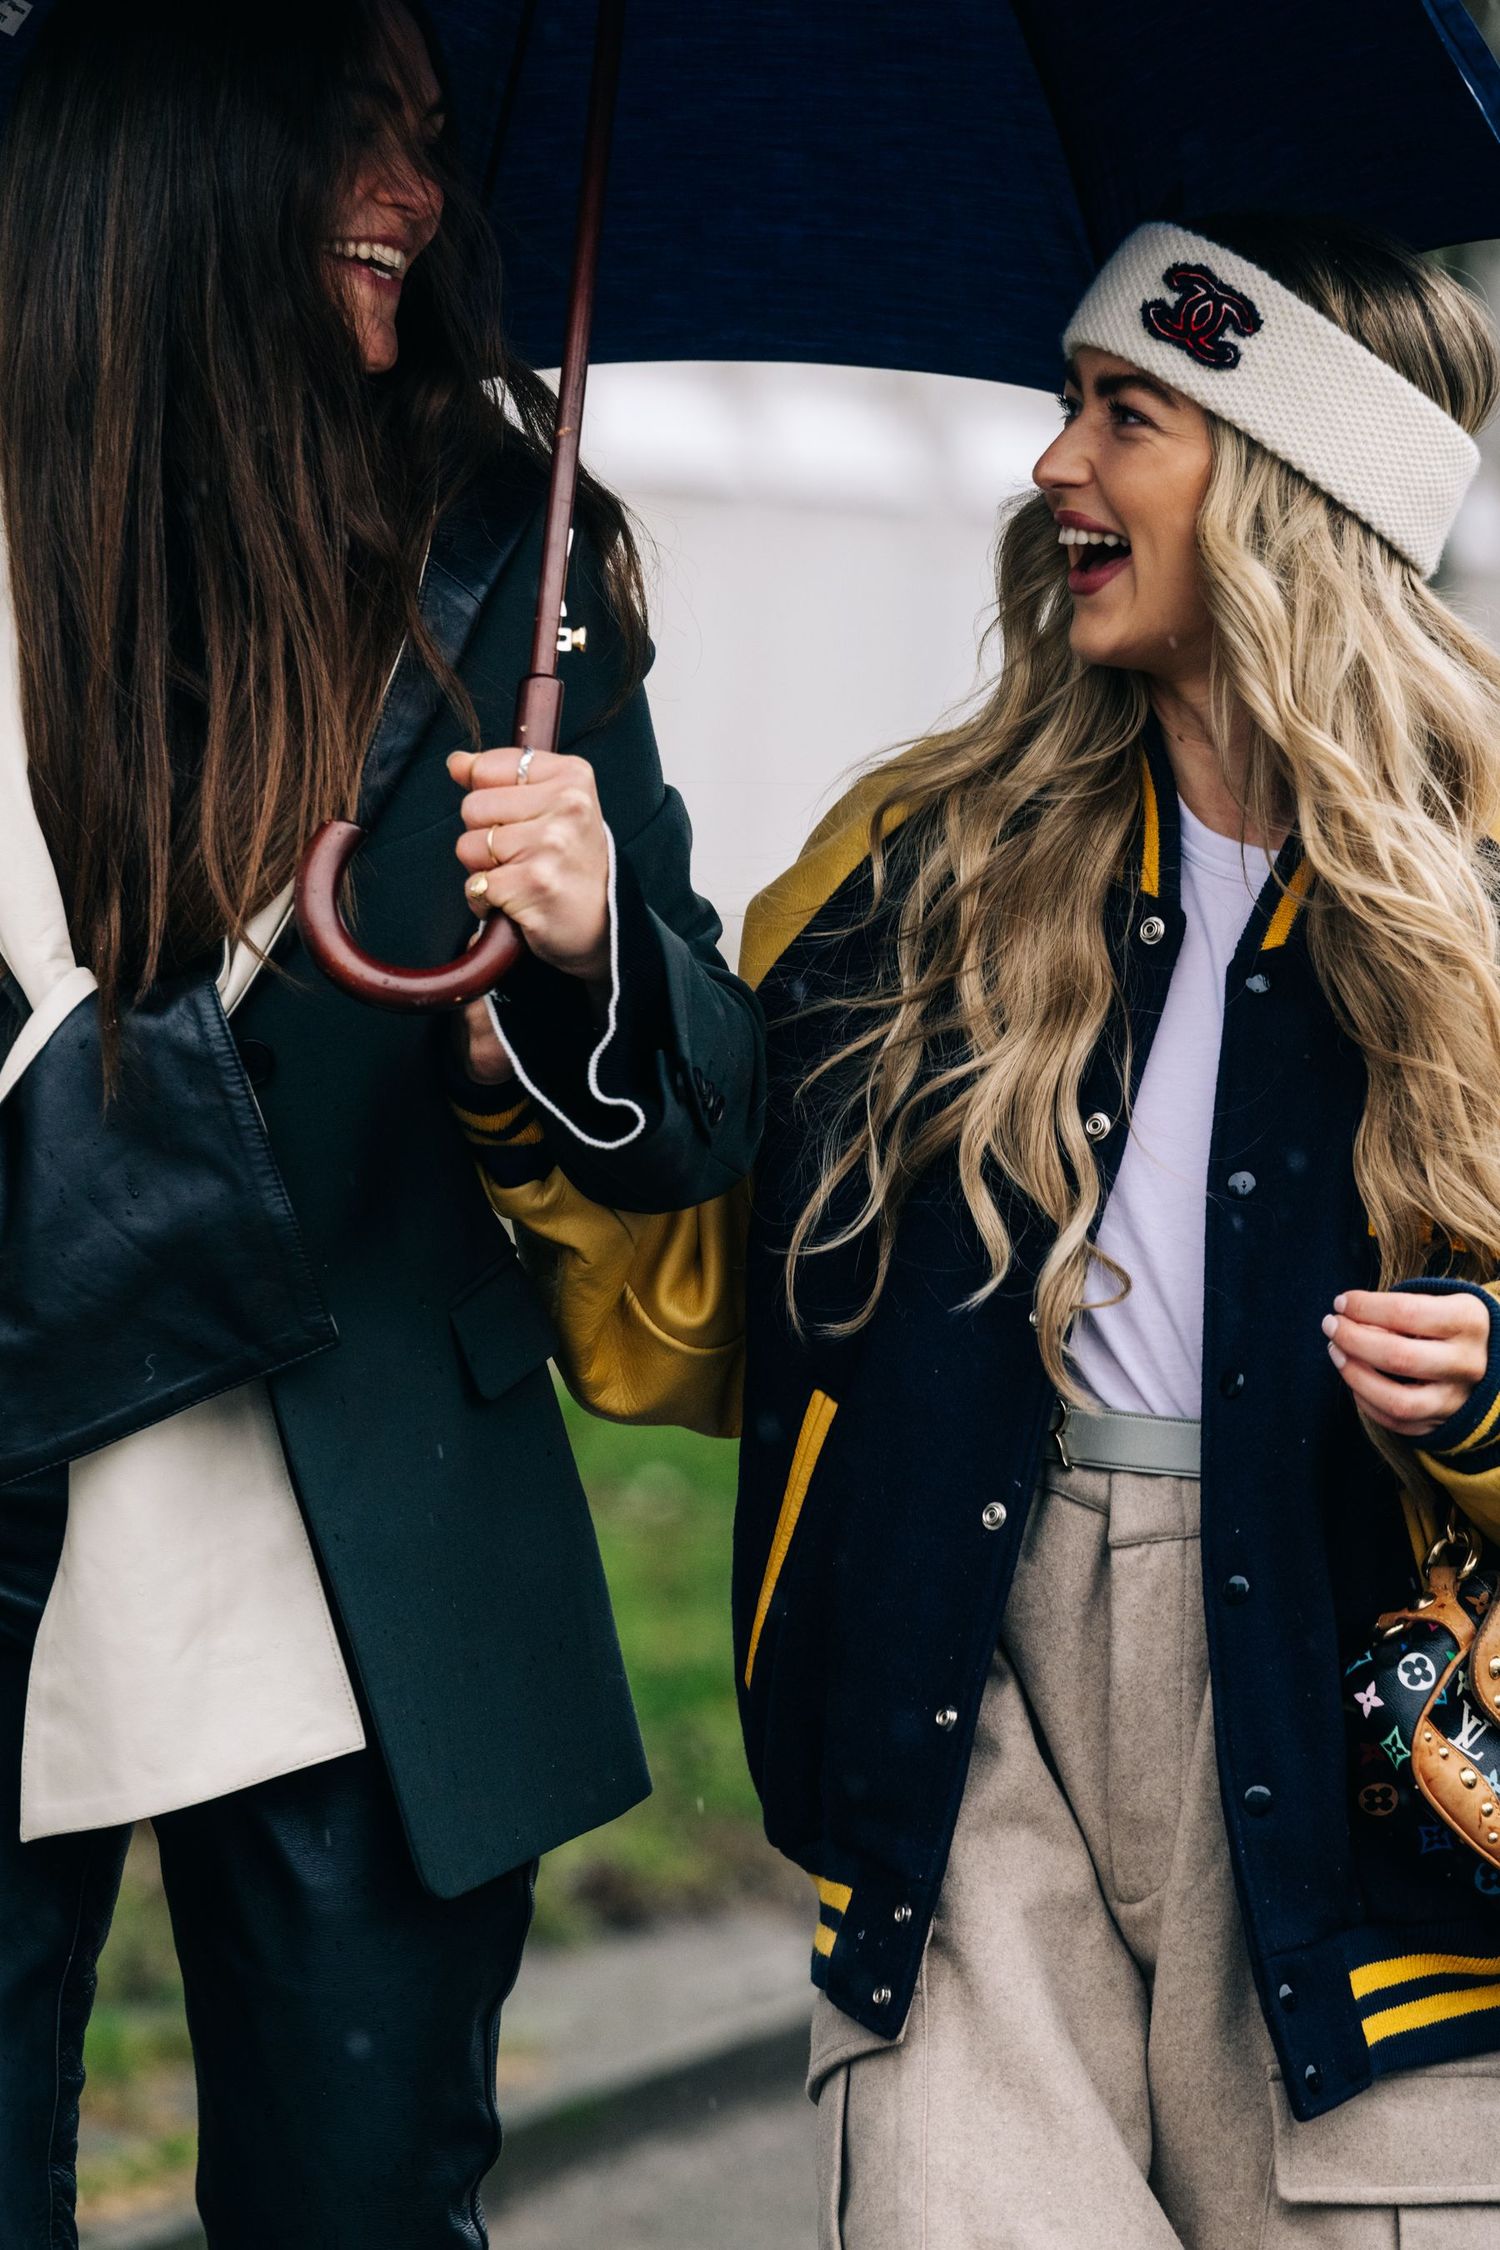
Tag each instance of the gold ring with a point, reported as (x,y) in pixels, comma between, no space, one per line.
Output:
(478,886)
(489,844)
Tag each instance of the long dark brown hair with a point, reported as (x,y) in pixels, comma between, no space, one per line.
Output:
(216,519)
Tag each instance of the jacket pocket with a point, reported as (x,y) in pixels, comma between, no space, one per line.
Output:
(1419,2146)
(816,1423)
(500,1327)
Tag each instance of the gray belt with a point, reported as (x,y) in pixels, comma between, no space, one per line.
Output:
(1153,1445)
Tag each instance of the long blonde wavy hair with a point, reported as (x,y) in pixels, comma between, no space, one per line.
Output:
(1374,726)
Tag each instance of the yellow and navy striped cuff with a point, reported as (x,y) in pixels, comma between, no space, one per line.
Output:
(1468,1443)
(1414,1993)
(508,1140)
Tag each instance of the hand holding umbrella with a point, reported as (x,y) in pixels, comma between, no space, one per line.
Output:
(534,836)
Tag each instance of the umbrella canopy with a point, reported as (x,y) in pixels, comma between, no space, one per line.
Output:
(877,184)
(861,182)
(864,182)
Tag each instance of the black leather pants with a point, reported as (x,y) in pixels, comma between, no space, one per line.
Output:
(344,2021)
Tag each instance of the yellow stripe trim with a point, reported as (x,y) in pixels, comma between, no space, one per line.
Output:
(816,1423)
(1439,2007)
(1279,928)
(1482,1431)
(499,1126)
(1151,843)
(1409,1968)
(836,1895)
(823,1939)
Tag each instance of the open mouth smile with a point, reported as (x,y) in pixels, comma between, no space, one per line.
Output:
(382,261)
(1094,557)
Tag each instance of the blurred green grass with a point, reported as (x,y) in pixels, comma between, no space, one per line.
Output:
(663,1505)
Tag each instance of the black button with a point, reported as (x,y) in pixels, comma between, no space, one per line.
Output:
(1231,1383)
(1258,1799)
(1260,982)
(1236,1589)
(1287,1995)
(1312,2078)
(1242,1183)
(259,1061)
(716,1109)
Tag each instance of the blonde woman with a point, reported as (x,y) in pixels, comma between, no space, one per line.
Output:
(1134,1135)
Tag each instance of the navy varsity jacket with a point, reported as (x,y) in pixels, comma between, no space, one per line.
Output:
(886,1478)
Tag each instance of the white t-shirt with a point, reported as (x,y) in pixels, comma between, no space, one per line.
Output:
(1145,1354)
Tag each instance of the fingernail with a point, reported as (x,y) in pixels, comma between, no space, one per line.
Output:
(1336,1355)
(1339,1302)
(478,886)
(1330,1324)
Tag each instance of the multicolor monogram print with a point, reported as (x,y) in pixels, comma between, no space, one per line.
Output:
(1388,1694)
(1205,308)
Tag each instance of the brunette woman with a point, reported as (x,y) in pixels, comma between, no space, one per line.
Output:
(1133,1134)
(293,1558)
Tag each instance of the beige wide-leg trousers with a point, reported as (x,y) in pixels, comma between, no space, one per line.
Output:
(1084,2066)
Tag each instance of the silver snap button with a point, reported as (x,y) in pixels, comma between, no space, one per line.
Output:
(993,1516)
(881,1996)
(1097,1124)
(1153,930)
(946,1718)
(1242,1183)
(903,1914)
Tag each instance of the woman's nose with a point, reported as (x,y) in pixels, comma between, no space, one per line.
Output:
(407,187)
(1065,463)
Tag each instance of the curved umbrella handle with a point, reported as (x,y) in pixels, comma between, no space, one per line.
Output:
(327,938)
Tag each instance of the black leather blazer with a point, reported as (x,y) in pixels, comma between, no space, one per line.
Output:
(293,1199)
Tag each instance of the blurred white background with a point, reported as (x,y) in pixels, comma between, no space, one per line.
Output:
(820,561)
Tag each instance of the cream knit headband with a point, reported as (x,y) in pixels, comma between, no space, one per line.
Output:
(1223,332)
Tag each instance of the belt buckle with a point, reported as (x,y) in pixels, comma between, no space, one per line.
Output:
(1057,1430)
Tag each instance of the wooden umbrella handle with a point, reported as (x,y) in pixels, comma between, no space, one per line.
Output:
(346,963)
(539,701)
(328,938)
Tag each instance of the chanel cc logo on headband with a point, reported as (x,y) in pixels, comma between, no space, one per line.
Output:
(1305,389)
(1205,307)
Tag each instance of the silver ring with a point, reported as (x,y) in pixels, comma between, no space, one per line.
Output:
(523,767)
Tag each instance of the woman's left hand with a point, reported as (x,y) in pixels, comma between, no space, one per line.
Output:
(541,849)
(1411,1360)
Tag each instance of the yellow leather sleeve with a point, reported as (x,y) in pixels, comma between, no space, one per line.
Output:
(1477,1497)
(649,1311)
(1475,1493)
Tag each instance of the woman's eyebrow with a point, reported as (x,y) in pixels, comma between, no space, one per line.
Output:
(1110,386)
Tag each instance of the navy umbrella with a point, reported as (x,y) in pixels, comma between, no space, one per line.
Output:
(867,182)
(889,186)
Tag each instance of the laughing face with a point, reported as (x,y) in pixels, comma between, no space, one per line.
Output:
(1125,478)
(393,206)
